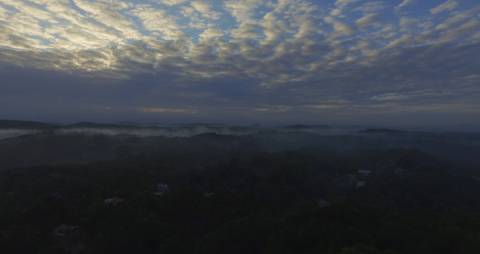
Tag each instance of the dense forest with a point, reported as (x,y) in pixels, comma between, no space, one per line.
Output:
(265,191)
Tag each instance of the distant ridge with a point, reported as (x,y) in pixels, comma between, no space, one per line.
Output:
(99,125)
(18,124)
(382,130)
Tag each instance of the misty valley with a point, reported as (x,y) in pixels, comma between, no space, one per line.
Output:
(200,188)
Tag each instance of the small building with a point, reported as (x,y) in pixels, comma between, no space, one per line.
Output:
(114,201)
(161,189)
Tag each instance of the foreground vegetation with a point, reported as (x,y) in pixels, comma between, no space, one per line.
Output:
(241,200)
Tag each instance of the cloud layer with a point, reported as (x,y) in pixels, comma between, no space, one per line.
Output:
(270,56)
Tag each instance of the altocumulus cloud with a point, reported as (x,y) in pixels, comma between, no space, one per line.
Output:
(256,59)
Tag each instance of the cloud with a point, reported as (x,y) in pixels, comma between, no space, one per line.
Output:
(211,33)
(366,20)
(371,7)
(340,7)
(274,109)
(204,7)
(447,6)
(242,10)
(157,20)
(173,2)
(405,4)
(339,27)
(249,54)
(343,3)
(109,15)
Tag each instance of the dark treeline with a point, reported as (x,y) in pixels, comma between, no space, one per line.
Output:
(262,193)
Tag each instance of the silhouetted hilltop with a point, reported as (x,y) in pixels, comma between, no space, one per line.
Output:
(100,125)
(16,124)
(382,131)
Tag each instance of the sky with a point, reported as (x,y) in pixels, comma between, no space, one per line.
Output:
(380,62)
